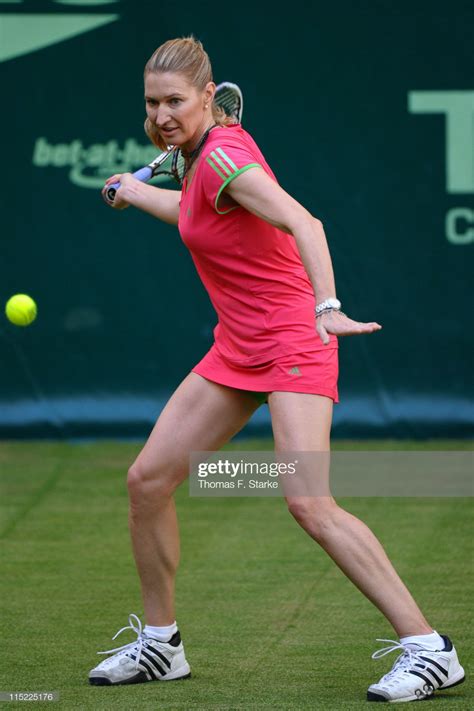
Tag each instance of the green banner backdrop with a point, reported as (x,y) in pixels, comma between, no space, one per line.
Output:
(364,110)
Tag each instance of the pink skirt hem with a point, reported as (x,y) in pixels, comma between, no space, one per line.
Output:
(315,373)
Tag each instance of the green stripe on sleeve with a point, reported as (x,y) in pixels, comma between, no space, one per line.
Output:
(226,157)
(226,183)
(214,166)
(224,167)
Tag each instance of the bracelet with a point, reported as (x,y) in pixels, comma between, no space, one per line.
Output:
(328,304)
(325,311)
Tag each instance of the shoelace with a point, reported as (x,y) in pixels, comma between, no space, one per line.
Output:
(405,660)
(141,638)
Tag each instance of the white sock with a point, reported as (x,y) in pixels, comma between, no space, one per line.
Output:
(162,634)
(431,641)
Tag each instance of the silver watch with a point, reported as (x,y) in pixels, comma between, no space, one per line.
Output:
(334,304)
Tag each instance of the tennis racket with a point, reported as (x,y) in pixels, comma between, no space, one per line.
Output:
(229,97)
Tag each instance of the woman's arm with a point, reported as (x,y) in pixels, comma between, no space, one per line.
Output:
(258,193)
(163,204)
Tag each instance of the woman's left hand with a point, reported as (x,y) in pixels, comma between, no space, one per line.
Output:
(338,324)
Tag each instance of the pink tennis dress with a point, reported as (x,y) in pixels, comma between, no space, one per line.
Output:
(265,338)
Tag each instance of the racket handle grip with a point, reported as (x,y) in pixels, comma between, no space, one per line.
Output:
(143,175)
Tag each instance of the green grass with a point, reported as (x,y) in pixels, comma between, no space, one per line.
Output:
(269,622)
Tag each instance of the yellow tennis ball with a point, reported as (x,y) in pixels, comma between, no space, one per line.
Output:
(21,310)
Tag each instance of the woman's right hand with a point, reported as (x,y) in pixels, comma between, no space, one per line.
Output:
(118,203)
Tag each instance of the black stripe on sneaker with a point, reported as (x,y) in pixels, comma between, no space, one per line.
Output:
(145,665)
(147,668)
(422,676)
(435,676)
(159,669)
(161,657)
(159,654)
(438,666)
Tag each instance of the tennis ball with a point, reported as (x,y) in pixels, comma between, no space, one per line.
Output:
(21,310)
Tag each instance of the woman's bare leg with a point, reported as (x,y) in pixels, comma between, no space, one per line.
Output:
(302,422)
(201,415)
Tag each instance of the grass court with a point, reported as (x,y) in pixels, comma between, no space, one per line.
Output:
(268,620)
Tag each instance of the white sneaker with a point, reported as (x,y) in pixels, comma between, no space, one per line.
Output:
(146,659)
(417,672)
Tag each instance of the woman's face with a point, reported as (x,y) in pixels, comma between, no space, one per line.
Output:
(177,108)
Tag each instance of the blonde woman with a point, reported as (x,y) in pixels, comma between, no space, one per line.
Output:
(265,263)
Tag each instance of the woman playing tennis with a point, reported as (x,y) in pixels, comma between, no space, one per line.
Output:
(265,264)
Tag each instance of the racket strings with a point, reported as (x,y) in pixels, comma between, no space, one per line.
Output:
(230,103)
(229,97)
(178,167)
